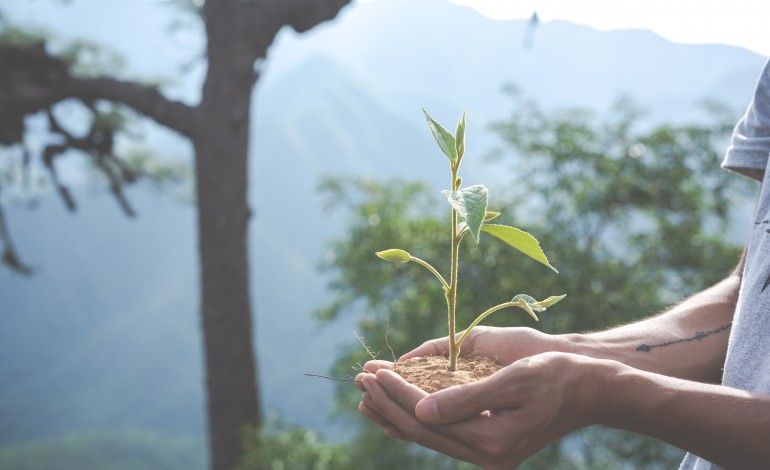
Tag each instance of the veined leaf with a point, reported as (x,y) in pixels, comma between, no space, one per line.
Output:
(526,298)
(544,304)
(520,240)
(538,306)
(530,305)
(444,139)
(460,137)
(394,255)
(471,204)
(522,303)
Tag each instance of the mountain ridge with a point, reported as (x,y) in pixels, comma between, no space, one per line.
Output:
(343,100)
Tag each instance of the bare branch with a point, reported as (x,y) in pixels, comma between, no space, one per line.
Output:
(144,99)
(33,80)
(303,15)
(10,257)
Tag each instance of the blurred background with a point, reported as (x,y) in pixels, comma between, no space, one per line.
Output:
(598,129)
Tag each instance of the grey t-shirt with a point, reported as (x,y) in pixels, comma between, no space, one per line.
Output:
(747,366)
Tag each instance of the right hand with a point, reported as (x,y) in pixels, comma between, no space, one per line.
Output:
(506,345)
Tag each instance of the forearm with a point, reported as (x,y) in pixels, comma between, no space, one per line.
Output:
(688,341)
(726,426)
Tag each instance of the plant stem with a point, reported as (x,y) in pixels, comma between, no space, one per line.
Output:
(481,317)
(431,269)
(454,349)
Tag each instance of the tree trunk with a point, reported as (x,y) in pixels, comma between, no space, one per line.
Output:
(221,150)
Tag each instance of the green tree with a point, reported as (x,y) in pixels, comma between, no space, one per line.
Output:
(634,215)
(34,81)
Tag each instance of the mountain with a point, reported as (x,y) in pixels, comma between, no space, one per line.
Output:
(106,334)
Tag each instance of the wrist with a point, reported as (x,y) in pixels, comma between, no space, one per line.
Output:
(597,391)
(582,344)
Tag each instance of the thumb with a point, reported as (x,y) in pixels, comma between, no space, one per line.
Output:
(434,347)
(462,402)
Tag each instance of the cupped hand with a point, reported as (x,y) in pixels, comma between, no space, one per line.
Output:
(507,345)
(497,422)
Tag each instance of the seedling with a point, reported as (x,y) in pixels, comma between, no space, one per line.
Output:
(470,205)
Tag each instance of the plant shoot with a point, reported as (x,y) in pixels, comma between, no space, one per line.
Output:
(470,216)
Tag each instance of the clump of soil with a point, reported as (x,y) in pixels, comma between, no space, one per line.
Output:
(431,373)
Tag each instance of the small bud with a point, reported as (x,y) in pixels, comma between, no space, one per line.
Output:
(394,256)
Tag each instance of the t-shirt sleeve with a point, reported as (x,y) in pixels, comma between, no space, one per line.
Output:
(750,147)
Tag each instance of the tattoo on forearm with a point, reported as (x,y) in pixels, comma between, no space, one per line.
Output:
(698,336)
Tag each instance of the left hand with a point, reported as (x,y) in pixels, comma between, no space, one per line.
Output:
(499,421)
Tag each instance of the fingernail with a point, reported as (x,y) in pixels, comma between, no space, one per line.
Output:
(427,410)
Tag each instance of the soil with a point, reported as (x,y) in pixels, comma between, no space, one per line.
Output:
(431,373)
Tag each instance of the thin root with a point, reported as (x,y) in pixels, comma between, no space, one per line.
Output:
(333,378)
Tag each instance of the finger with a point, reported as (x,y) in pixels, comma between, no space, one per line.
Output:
(466,401)
(404,393)
(370,413)
(434,347)
(408,427)
(375,365)
(359,381)
(393,432)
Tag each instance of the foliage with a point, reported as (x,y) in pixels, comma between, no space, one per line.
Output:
(635,213)
(470,205)
(280,446)
(127,450)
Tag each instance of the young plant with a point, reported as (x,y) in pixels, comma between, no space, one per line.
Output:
(470,205)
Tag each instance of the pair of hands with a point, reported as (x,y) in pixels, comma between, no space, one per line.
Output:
(539,396)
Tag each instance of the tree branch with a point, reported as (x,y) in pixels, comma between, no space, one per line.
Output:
(144,99)
(303,15)
(10,257)
(33,80)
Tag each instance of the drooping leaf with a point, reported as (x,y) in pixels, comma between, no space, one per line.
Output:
(526,298)
(444,139)
(520,240)
(538,305)
(526,307)
(544,304)
(471,204)
(394,255)
(460,137)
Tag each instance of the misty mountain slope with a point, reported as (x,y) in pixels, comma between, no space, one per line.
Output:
(106,335)
(106,331)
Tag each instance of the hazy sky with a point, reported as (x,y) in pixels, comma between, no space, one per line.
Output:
(733,22)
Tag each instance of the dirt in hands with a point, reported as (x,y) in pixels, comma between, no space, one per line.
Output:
(431,373)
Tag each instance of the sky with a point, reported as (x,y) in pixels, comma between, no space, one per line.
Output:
(732,22)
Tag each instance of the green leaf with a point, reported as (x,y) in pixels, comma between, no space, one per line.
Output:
(394,255)
(460,137)
(444,139)
(530,305)
(526,306)
(520,240)
(544,304)
(491,215)
(538,306)
(526,298)
(471,204)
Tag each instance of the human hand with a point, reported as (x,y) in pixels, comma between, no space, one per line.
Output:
(506,345)
(499,421)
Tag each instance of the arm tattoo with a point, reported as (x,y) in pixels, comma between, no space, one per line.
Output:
(698,336)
